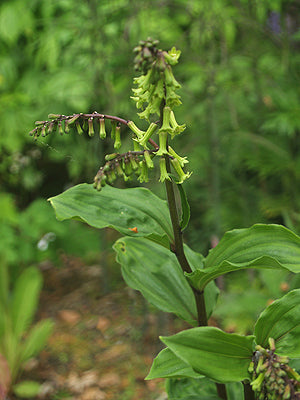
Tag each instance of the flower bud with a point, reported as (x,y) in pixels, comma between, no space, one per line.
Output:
(67,128)
(73,119)
(144,172)
(111,176)
(169,78)
(118,169)
(91,131)
(113,129)
(51,127)
(43,131)
(163,138)
(138,132)
(78,127)
(127,166)
(163,170)
(271,344)
(118,143)
(181,174)
(148,159)
(102,132)
(136,146)
(287,393)
(133,162)
(256,384)
(151,129)
(53,116)
(182,160)
(110,157)
(60,128)
(176,129)
(166,120)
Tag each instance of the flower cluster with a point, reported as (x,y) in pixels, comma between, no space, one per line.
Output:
(157,84)
(82,123)
(272,377)
(155,94)
(125,165)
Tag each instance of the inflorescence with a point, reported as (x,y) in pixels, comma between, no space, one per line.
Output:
(272,377)
(154,95)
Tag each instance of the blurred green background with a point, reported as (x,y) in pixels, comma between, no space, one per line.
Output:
(240,94)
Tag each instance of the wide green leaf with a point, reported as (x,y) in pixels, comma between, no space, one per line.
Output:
(204,389)
(36,339)
(191,389)
(167,365)
(222,357)
(155,272)
(25,299)
(281,321)
(261,246)
(132,212)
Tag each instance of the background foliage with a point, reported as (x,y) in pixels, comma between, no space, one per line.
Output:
(240,101)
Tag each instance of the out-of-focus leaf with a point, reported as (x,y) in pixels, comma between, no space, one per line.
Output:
(27,389)
(36,339)
(5,377)
(25,299)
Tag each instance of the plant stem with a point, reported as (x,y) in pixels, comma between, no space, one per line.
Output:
(178,250)
(248,392)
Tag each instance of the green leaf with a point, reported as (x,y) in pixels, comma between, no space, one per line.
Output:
(155,272)
(281,321)
(220,356)
(36,339)
(191,389)
(204,389)
(186,212)
(121,209)
(261,246)
(167,365)
(25,299)
(27,389)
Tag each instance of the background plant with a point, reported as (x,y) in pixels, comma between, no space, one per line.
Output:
(20,339)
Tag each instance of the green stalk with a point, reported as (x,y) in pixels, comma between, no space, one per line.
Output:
(178,250)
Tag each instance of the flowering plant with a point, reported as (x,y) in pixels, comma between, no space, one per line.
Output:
(201,362)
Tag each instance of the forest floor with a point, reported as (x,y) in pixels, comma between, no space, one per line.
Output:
(103,344)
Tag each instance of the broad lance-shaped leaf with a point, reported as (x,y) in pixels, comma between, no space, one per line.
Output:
(36,339)
(281,321)
(167,365)
(200,389)
(132,212)
(155,272)
(25,299)
(222,357)
(261,246)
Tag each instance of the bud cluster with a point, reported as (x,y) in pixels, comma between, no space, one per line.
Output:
(125,165)
(157,83)
(272,377)
(81,123)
